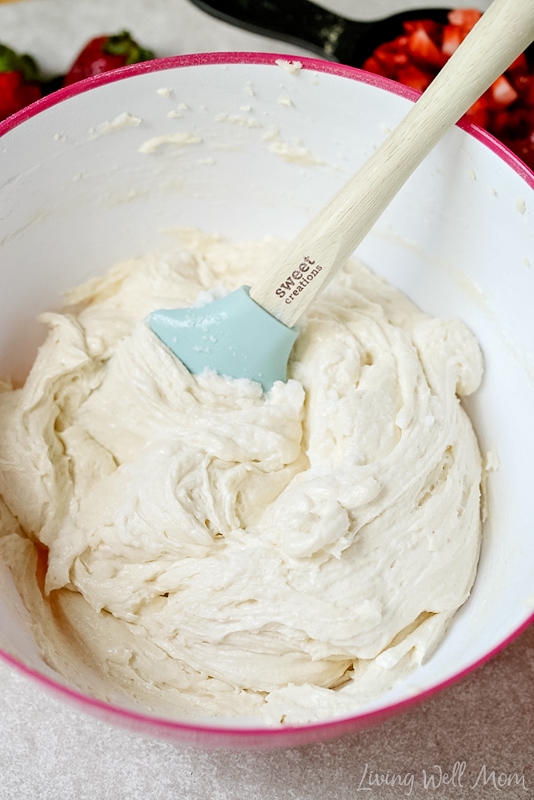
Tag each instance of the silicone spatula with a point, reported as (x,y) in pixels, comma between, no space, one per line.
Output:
(250,332)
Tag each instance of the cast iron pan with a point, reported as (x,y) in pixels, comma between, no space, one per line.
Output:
(302,23)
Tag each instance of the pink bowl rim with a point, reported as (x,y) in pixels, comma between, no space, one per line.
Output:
(262,59)
(368,718)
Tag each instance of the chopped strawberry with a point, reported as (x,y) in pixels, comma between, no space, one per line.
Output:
(524,86)
(516,123)
(429,26)
(500,121)
(502,93)
(390,57)
(452,39)
(376,66)
(479,113)
(520,65)
(423,50)
(523,148)
(413,76)
(465,18)
(415,58)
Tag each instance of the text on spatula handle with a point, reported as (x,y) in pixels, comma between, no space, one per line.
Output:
(298,280)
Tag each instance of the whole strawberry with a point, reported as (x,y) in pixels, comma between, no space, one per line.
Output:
(104,53)
(19,81)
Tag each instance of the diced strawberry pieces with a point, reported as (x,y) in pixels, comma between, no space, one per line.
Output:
(479,113)
(372,64)
(499,123)
(520,65)
(429,26)
(424,51)
(521,84)
(524,86)
(503,93)
(523,148)
(390,56)
(516,123)
(415,58)
(413,76)
(452,39)
(390,48)
(465,18)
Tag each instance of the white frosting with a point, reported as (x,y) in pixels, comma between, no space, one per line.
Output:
(292,67)
(181,139)
(124,120)
(215,550)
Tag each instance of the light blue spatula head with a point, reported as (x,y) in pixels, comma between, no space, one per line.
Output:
(233,336)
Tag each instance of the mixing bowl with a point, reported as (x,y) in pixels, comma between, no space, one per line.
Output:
(252,145)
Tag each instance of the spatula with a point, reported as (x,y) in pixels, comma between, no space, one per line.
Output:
(250,332)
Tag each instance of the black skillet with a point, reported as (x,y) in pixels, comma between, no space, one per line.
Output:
(302,23)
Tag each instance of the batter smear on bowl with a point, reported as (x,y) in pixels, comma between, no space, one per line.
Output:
(209,549)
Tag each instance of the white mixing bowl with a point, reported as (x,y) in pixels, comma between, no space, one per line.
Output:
(76,195)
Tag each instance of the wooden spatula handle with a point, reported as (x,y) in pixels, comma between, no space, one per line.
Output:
(503,32)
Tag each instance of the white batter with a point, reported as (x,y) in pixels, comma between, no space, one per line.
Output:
(213,550)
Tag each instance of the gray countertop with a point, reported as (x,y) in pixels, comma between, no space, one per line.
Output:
(484,725)
(473,740)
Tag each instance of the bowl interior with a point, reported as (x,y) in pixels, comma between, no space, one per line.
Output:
(243,146)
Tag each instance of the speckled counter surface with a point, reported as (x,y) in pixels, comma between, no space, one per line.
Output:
(463,743)
(474,740)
